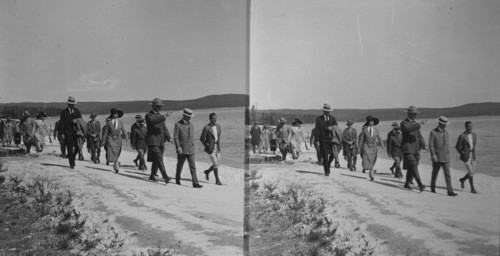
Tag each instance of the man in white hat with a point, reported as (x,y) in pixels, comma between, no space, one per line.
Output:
(156,136)
(411,144)
(184,143)
(67,129)
(439,146)
(323,139)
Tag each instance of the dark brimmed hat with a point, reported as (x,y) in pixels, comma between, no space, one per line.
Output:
(156,102)
(297,121)
(93,114)
(188,112)
(41,114)
(113,111)
(139,118)
(71,100)
(350,122)
(327,107)
(371,118)
(412,109)
(395,125)
(443,120)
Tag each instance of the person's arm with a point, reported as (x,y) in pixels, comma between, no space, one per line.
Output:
(361,139)
(203,137)
(167,134)
(123,129)
(56,128)
(458,146)
(317,131)
(104,135)
(155,119)
(176,139)
(380,138)
(133,137)
(431,147)
(409,127)
(389,144)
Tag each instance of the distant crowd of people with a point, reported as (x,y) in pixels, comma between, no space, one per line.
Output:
(148,136)
(404,143)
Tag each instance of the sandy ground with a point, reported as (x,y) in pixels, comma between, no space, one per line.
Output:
(402,222)
(206,221)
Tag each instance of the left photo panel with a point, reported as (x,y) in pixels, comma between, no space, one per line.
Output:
(122,127)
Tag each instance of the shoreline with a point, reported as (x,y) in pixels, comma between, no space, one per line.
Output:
(398,218)
(205,221)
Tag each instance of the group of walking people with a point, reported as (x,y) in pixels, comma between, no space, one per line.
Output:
(32,131)
(148,136)
(404,143)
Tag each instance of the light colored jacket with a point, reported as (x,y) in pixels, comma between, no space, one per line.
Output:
(184,137)
(439,145)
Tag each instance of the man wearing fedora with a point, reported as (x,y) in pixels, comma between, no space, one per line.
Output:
(323,139)
(112,137)
(94,139)
(156,135)
(27,127)
(138,132)
(350,143)
(67,129)
(394,139)
(210,138)
(184,143)
(466,147)
(439,147)
(411,144)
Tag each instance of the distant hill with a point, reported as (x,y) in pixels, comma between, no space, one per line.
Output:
(54,108)
(359,115)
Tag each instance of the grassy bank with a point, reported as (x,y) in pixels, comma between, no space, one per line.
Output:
(291,220)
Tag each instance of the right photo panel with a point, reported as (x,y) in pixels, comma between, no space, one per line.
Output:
(372,128)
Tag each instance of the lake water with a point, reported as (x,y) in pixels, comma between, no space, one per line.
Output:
(232,125)
(488,140)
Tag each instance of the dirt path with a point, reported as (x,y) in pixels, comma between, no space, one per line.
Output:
(206,221)
(403,221)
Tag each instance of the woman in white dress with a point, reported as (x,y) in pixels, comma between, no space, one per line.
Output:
(296,138)
(40,131)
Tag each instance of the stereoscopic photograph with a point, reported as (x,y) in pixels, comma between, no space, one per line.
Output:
(249,127)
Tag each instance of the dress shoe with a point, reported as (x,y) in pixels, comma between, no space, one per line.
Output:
(327,174)
(152,179)
(177,182)
(408,187)
(218,182)
(392,170)
(473,191)
(207,172)
(462,183)
(135,162)
(80,158)
(422,188)
(197,186)
(452,194)
(115,166)
(167,180)
(433,190)
(72,167)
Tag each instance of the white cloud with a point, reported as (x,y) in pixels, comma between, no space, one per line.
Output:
(95,81)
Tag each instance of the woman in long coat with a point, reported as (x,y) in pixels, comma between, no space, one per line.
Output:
(112,137)
(367,143)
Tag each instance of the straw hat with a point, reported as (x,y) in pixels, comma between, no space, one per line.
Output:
(443,120)
(327,107)
(188,112)
(25,113)
(139,118)
(282,120)
(395,125)
(71,100)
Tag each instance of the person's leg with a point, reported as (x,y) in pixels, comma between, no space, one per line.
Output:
(142,162)
(435,171)
(324,156)
(397,162)
(192,169)
(154,169)
(181,158)
(70,149)
(216,162)
(447,178)
(318,153)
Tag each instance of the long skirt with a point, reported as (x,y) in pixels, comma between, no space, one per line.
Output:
(113,152)
(39,142)
(369,157)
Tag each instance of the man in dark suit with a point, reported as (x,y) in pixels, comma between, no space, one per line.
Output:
(94,138)
(138,133)
(157,134)
(210,138)
(67,129)
(184,143)
(411,144)
(466,147)
(323,139)
(394,139)
(439,146)
(350,142)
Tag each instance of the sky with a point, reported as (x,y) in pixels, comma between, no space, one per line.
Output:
(121,50)
(374,54)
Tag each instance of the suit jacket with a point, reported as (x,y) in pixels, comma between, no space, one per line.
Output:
(157,132)
(350,139)
(412,140)
(66,125)
(184,137)
(322,133)
(138,135)
(394,143)
(208,138)
(439,145)
(112,136)
(93,131)
(463,146)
